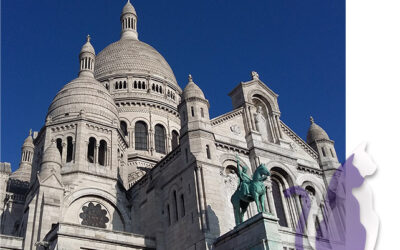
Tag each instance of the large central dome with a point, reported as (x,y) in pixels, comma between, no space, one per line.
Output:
(130,56)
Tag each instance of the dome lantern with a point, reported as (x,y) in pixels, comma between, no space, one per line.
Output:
(87,59)
(129,22)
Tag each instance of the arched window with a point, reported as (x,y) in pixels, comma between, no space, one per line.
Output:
(135,85)
(70,149)
(160,90)
(182,206)
(102,152)
(176,206)
(143,85)
(323,151)
(140,136)
(153,87)
(202,112)
(208,152)
(174,140)
(333,155)
(124,128)
(124,84)
(192,110)
(169,215)
(277,194)
(91,148)
(159,138)
(59,145)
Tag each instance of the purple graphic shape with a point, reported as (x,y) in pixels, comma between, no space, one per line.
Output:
(344,216)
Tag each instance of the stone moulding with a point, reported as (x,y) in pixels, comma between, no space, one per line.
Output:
(299,141)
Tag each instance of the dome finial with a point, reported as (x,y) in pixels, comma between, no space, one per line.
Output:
(88,38)
(30,132)
(311,119)
(190,78)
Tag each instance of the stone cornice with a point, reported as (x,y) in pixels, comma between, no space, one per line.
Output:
(224,145)
(309,170)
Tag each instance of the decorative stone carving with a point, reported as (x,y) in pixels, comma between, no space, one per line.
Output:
(235,129)
(255,75)
(261,123)
(94,215)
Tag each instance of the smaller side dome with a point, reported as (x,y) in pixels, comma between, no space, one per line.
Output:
(51,155)
(29,140)
(315,132)
(128,9)
(192,90)
(88,47)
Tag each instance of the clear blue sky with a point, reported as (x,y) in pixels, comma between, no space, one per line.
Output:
(297,47)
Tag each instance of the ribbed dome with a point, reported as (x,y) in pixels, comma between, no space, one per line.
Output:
(128,8)
(83,96)
(315,132)
(129,56)
(192,90)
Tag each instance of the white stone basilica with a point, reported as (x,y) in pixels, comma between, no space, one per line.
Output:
(127,160)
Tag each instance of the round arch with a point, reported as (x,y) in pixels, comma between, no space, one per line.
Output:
(101,194)
(264,97)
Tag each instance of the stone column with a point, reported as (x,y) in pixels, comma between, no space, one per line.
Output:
(96,153)
(108,154)
(64,152)
(129,81)
(251,118)
(270,197)
(271,125)
(73,151)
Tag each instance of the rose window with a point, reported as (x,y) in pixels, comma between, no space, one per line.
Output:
(94,215)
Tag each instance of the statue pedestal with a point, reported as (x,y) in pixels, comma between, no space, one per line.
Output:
(258,232)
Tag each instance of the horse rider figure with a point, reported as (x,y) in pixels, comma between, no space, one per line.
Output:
(244,178)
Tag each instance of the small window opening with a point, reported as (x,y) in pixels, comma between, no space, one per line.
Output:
(91,147)
(208,152)
(70,149)
(59,146)
(182,206)
(323,151)
(176,206)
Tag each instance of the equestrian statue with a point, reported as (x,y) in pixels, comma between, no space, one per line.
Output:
(249,190)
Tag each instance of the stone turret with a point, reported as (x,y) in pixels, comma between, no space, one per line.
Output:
(25,166)
(87,59)
(129,22)
(195,121)
(51,162)
(319,140)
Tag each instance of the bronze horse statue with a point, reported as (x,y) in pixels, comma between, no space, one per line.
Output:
(249,190)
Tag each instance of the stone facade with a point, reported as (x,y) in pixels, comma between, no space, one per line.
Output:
(127,160)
